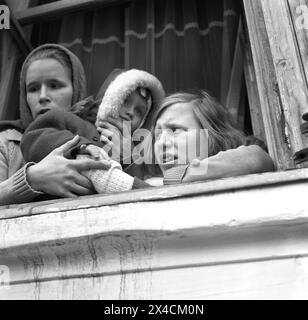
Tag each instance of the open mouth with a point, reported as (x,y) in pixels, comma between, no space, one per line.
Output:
(169,158)
(42,111)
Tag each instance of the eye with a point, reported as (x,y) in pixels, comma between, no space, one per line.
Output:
(176,131)
(55,85)
(32,88)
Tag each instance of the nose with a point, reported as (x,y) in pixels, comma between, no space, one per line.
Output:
(129,111)
(44,98)
(165,139)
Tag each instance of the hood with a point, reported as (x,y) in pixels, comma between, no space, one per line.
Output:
(78,81)
(120,84)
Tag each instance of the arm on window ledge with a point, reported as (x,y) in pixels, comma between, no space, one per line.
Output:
(230,163)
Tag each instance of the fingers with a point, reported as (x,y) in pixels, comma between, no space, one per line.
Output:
(104,154)
(93,151)
(105,140)
(116,122)
(79,190)
(83,181)
(66,146)
(88,164)
(66,194)
(107,133)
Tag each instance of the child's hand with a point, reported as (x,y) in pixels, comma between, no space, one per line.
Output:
(111,136)
(94,151)
(63,177)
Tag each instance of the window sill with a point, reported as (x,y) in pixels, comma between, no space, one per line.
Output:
(252,229)
(232,184)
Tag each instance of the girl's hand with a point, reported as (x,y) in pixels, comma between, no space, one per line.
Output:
(111,136)
(63,177)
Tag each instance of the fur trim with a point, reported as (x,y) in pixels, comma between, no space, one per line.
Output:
(124,85)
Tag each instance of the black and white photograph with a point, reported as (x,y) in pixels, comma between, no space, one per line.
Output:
(154,150)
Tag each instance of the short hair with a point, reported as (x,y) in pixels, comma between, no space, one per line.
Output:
(223,134)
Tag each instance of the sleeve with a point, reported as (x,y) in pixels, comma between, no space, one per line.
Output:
(230,163)
(15,189)
(112,180)
(51,130)
(252,140)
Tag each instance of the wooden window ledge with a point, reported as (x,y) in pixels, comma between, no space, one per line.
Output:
(235,238)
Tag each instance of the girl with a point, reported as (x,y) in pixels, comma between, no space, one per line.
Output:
(195,140)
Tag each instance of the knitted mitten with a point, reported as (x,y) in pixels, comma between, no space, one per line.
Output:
(109,181)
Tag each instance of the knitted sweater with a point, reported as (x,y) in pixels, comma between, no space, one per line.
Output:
(13,183)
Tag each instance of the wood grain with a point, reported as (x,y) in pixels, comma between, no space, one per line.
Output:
(59,8)
(241,244)
(273,117)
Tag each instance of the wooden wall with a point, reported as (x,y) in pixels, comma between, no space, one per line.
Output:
(251,243)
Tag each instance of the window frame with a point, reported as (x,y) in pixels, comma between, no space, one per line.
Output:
(264,89)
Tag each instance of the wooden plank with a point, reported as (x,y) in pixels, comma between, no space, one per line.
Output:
(300,25)
(130,251)
(17,5)
(291,82)
(272,112)
(269,280)
(252,88)
(254,181)
(59,8)
(17,32)
(141,249)
(280,204)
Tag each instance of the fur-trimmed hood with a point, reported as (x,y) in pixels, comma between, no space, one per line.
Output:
(120,84)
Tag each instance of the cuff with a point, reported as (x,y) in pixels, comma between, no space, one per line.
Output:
(175,175)
(110,181)
(21,185)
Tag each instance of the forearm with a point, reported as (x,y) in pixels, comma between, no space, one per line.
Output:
(16,189)
(231,163)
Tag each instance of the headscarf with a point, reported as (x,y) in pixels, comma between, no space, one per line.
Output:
(78,83)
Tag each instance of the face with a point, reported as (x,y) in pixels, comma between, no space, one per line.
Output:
(134,110)
(48,86)
(179,137)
